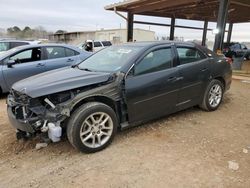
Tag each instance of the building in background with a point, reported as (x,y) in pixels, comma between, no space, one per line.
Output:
(116,36)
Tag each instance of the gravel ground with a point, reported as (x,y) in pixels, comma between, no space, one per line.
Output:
(189,149)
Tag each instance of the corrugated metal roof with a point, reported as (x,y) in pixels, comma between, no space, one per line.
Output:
(185,9)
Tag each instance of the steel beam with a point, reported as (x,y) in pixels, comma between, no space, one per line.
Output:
(169,25)
(130,27)
(172,28)
(204,35)
(221,21)
(230,30)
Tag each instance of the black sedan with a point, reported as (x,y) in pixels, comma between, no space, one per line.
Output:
(116,88)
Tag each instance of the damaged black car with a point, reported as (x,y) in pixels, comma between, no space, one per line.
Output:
(116,88)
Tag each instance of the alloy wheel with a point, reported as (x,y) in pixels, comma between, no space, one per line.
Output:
(96,130)
(215,95)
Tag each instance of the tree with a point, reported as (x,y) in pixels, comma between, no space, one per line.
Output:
(28,33)
(16,29)
(60,32)
(26,29)
(10,31)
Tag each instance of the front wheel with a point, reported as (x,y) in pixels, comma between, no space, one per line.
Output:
(213,96)
(92,127)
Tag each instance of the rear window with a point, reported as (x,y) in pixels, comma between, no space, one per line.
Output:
(55,52)
(106,43)
(189,55)
(70,52)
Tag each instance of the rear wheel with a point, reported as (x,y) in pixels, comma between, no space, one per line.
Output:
(92,127)
(213,96)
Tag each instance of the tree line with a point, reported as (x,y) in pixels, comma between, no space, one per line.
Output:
(28,33)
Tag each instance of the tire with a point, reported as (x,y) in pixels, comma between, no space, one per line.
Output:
(96,122)
(210,102)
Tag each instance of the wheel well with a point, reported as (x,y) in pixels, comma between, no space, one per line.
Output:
(222,81)
(109,102)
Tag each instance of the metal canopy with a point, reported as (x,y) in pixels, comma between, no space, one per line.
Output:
(238,10)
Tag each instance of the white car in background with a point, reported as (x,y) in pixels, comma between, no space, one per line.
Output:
(94,46)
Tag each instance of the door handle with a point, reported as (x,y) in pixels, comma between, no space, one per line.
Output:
(40,64)
(175,79)
(70,60)
(203,70)
(171,79)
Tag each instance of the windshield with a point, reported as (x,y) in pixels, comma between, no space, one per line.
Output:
(110,59)
(7,53)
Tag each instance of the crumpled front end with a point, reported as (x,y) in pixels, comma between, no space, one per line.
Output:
(33,115)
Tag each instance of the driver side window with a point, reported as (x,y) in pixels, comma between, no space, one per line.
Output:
(154,61)
(25,56)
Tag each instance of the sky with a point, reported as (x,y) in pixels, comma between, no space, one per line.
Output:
(80,15)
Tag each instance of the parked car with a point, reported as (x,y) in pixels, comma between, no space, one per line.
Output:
(25,61)
(94,46)
(116,88)
(6,45)
(235,50)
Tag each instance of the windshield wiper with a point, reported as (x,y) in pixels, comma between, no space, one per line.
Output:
(75,66)
(84,69)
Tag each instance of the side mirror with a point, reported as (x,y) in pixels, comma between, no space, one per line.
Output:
(10,63)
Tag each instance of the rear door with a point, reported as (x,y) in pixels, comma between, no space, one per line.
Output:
(194,68)
(152,85)
(58,57)
(28,63)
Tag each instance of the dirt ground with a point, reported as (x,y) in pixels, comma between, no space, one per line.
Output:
(188,149)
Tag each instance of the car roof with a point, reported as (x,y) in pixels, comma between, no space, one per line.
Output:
(24,47)
(157,43)
(47,45)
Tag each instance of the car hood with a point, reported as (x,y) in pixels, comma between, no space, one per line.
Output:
(59,80)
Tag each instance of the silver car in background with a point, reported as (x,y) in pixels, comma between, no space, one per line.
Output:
(25,61)
(7,44)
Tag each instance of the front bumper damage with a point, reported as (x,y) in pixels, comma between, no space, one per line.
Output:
(33,115)
(36,115)
(21,125)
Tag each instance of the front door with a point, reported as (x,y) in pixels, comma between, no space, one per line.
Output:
(152,85)
(27,63)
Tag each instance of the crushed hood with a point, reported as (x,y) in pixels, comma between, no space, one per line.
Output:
(59,80)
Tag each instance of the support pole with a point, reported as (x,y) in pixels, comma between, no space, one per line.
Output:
(172,28)
(230,30)
(204,35)
(221,21)
(130,27)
